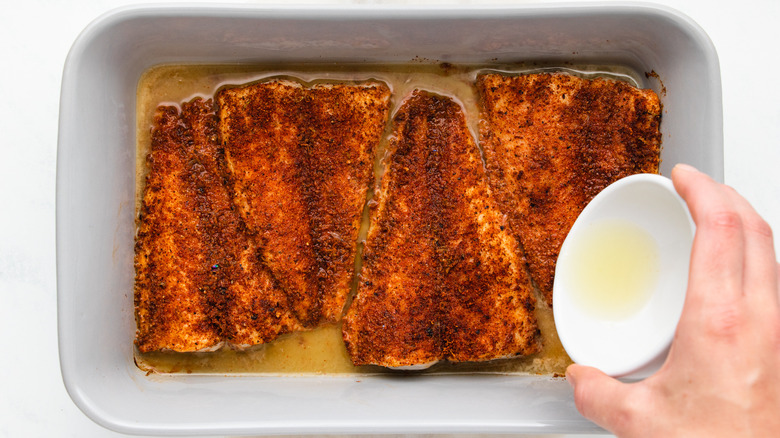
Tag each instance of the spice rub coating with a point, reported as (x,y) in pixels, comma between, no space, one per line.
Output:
(301,161)
(552,141)
(442,275)
(172,310)
(199,281)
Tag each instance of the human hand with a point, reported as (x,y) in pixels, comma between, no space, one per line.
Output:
(722,374)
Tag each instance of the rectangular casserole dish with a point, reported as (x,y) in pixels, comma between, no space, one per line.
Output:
(96,199)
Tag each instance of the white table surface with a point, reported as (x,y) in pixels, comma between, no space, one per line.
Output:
(36,36)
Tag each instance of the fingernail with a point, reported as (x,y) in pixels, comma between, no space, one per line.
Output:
(685,167)
(570,377)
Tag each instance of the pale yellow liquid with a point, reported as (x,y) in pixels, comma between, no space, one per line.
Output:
(615,268)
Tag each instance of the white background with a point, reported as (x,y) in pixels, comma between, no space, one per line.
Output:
(36,36)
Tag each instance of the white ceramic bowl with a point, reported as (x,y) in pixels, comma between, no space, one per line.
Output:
(96,183)
(643,231)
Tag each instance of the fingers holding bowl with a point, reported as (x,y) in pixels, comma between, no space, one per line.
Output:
(733,254)
(759,266)
(718,253)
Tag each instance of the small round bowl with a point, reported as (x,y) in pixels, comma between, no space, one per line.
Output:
(621,277)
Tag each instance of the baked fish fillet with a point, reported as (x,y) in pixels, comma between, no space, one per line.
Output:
(552,142)
(442,275)
(301,161)
(199,281)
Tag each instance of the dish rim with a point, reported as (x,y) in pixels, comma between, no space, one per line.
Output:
(354,12)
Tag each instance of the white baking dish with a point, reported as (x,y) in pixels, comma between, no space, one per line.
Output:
(95,199)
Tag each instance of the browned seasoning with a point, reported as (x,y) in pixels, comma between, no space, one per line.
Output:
(319,350)
(174,289)
(301,161)
(442,277)
(554,141)
(201,276)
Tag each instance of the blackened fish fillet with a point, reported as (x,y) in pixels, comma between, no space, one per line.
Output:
(301,161)
(198,277)
(442,275)
(552,142)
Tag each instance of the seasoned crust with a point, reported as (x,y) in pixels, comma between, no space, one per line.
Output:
(442,276)
(224,308)
(552,142)
(201,276)
(301,161)
(199,279)
(173,309)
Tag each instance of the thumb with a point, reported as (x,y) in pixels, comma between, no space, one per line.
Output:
(600,398)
